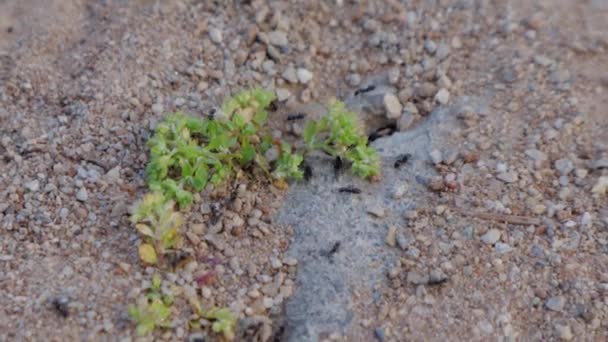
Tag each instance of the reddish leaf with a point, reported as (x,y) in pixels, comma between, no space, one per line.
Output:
(206,279)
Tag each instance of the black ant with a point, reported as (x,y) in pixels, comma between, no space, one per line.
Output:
(350,190)
(337,166)
(307,171)
(401,160)
(365,90)
(296,116)
(382,132)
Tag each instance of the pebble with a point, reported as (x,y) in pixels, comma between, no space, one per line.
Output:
(379,334)
(278,38)
(32,186)
(304,75)
(400,191)
(405,121)
(215,35)
(507,177)
(564,166)
(442,96)
(82,195)
(290,75)
(391,236)
(275,263)
(353,79)
(290,261)
(430,46)
(392,106)
(403,242)
(436,156)
(267,302)
(502,248)
(157,108)
(416,278)
(555,303)
(564,332)
(376,210)
(491,236)
(536,154)
(282,94)
(601,187)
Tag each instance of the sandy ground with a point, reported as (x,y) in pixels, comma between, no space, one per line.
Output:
(500,219)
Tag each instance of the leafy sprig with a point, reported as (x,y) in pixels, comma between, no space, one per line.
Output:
(152,310)
(340,134)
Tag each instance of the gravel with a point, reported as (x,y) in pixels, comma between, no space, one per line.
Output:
(501,90)
(491,236)
(304,75)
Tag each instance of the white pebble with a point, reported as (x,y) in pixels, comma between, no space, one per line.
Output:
(304,75)
(442,96)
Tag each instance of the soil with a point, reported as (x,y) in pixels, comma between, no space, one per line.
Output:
(495,228)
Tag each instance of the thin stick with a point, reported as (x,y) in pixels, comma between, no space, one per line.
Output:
(513,219)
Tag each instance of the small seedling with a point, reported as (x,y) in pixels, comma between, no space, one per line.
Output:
(152,310)
(224,322)
(340,135)
(157,221)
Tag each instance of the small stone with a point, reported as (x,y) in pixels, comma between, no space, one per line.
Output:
(601,163)
(379,334)
(601,187)
(278,38)
(82,195)
(215,35)
(416,278)
(32,186)
(430,46)
(443,51)
(507,177)
(555,303)
(304,75)
(436,156)
(353,79)
(392,106)
(405,121)
(267,302)
(502,248)
(272,154)
(290,74)
(391,236)
(403,242)
(442,96)
(275,263)
(400,191)
(376,210)
(491,236)
(157,108)
(536,155)
(564,166)
(282,94)
(456,42)
(290,261)
(564,332)
(393,76)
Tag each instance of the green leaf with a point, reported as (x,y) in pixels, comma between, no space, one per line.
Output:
(260,117)
(310,132)
(224,321)
(147,254)
(156,281)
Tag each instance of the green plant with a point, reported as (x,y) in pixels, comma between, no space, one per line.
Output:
(152,310)
(340,134)
(224,322)
(155,219)
(187,153)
